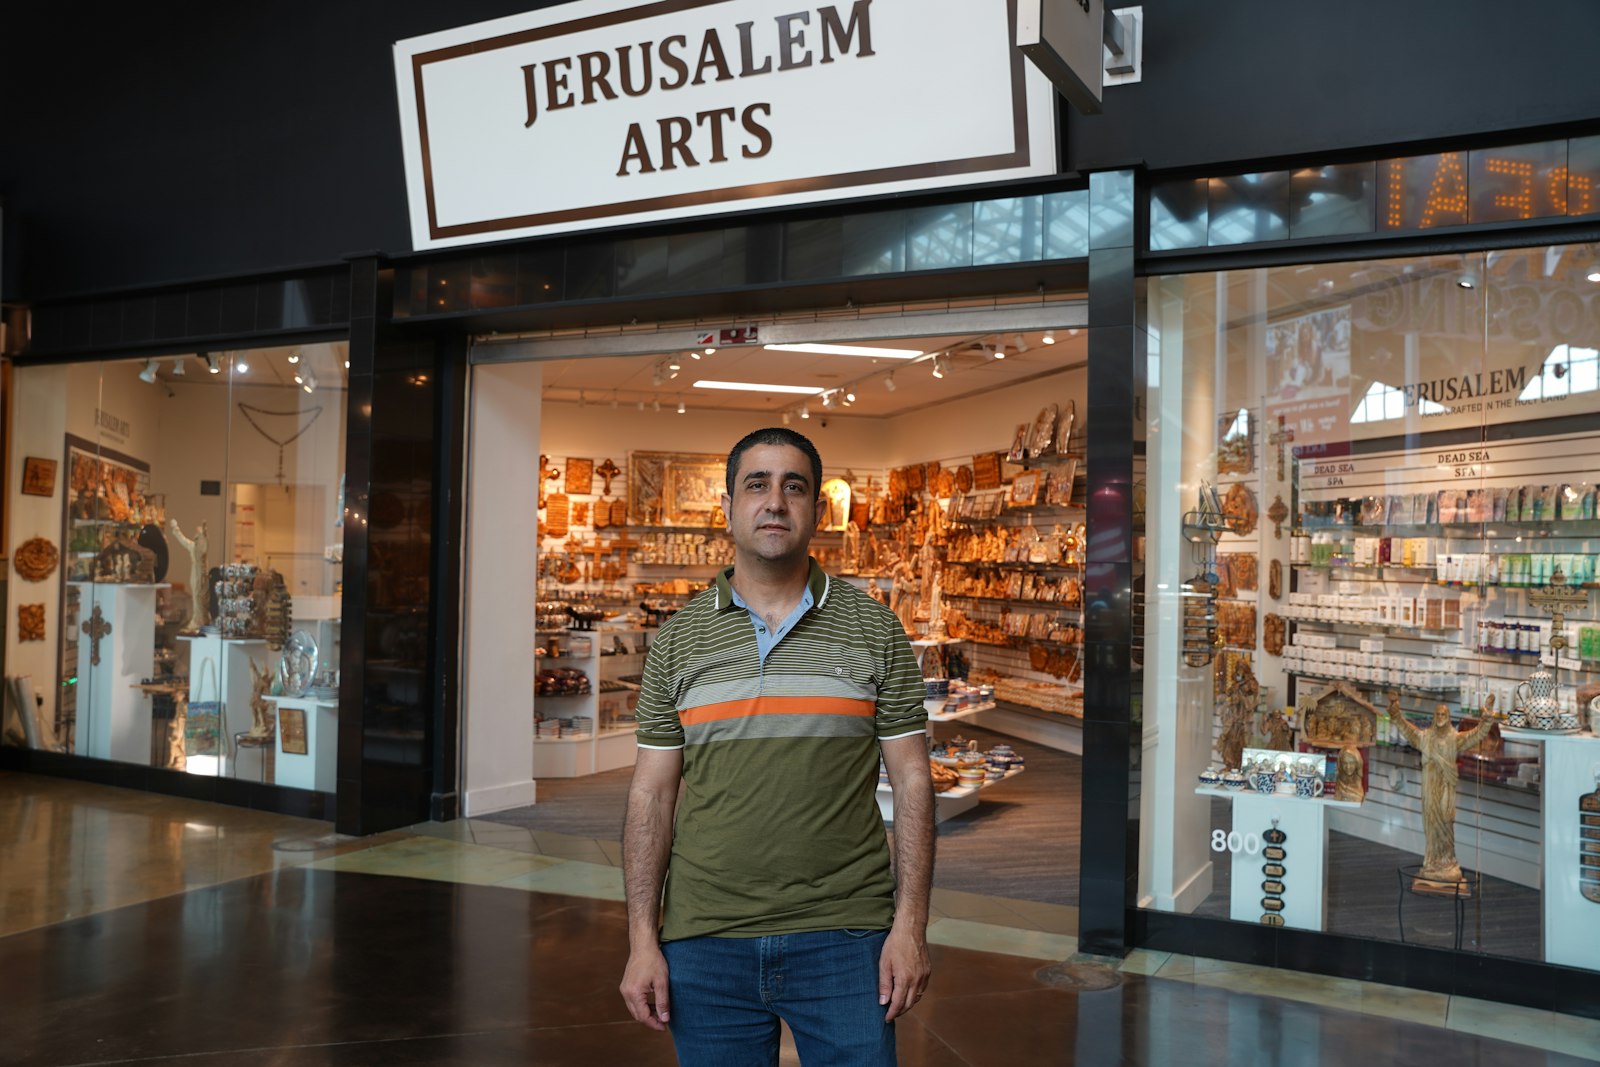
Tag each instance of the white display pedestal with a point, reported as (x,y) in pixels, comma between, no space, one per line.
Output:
(229,662)
(113,716)
(1305,823)
(317,768)
(1571,765)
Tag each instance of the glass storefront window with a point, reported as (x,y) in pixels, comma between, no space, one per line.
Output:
(1373,607)
(184,528)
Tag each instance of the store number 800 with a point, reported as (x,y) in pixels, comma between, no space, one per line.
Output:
(1233,841)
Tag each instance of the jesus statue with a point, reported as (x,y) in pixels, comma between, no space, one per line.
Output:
(1441,745)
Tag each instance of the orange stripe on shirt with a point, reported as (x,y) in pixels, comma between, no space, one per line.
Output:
(775,705)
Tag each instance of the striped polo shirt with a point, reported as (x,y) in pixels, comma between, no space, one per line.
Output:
(777,828)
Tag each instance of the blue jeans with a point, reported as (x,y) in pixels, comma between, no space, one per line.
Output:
(728,993)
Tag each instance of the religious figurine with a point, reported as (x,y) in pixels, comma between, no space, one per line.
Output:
(936,608)
(1348,784)
(1441,745)
(875,591)
(198,548)
(1239,699)
(261,717)
(852,549)
(1279,734)
(903,595)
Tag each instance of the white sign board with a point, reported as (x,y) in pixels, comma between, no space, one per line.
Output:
(607,112)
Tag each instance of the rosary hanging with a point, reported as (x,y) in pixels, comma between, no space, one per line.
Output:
(249,411)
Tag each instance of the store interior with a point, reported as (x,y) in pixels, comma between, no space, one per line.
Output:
(135,483)
(954,474)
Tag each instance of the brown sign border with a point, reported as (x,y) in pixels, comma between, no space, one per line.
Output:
(1019,156)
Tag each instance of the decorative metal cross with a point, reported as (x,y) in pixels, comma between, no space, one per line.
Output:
(608,470)
(1558,598)
(1278,438)
(96,628)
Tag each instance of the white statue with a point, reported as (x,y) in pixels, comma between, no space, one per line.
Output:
(200,606)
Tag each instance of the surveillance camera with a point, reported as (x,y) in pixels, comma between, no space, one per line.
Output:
(822,423)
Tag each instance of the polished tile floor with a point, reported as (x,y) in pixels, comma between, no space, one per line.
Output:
(137,929)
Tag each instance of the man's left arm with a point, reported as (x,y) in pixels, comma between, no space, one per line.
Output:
(903,969)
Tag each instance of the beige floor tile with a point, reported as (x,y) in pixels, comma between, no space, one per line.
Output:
(1056,918)
(613,851)
(1546,1030)
(1144,961)
(1177,965)
(574,848)
(960,905)
(1005,940)
(573,878)
(438,860)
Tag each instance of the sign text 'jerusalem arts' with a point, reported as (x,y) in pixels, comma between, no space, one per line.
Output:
(745,50)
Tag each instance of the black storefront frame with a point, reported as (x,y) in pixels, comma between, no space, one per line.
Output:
(1458,973)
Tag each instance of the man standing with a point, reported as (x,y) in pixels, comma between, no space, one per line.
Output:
(768,701)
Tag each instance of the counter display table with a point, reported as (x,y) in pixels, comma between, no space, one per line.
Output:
(220,669)
(1570,803)
(1302,862)
(308,742)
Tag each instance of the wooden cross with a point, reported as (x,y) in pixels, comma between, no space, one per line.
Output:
(1281,436)
(608,470)
(547,473)
(96,628)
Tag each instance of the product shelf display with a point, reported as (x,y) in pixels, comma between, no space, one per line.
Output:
(1426,644)
(586,690)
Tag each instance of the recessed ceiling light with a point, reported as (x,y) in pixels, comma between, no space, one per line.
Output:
(846,350)
(758,387)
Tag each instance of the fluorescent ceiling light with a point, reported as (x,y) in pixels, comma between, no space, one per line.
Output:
(846,350)
(757,387)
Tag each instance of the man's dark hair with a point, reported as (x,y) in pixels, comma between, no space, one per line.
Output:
(776,435)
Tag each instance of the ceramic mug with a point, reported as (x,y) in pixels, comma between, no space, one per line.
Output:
(1263,781)
(1309,786)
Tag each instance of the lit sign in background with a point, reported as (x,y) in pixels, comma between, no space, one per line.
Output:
(1515,183)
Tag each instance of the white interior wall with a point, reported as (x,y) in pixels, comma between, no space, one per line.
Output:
(501,568)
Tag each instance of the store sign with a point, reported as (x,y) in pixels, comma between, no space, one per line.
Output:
(1064,39)
(602,112)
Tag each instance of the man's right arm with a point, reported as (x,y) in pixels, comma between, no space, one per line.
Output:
(646,846)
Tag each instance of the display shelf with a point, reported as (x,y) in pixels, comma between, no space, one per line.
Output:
(1383,686)
(955,716)
(1369,628)
(1060,605)
(1016,565)
(1464,530)
(1323,801)
(602,748)
(946,804)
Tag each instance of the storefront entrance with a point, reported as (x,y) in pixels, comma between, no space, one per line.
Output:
(954,474)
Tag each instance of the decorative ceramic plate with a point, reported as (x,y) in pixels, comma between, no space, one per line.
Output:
(299,664)
(963,479)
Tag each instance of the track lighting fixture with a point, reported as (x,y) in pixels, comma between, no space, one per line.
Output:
(1468,280)
(711,352)
(805,412)
(298,380)
(1049,337)
(310,383)
(849,395)
(656,405)
(999,351)
(213,365)
(938,366)
(241,364)
(786,416)
(583,399)
(674,364)
(888,381)
(1021,343)
(681,408)
(149,372)
(294,357)
(827,400)
(178,365)
(1594,273)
